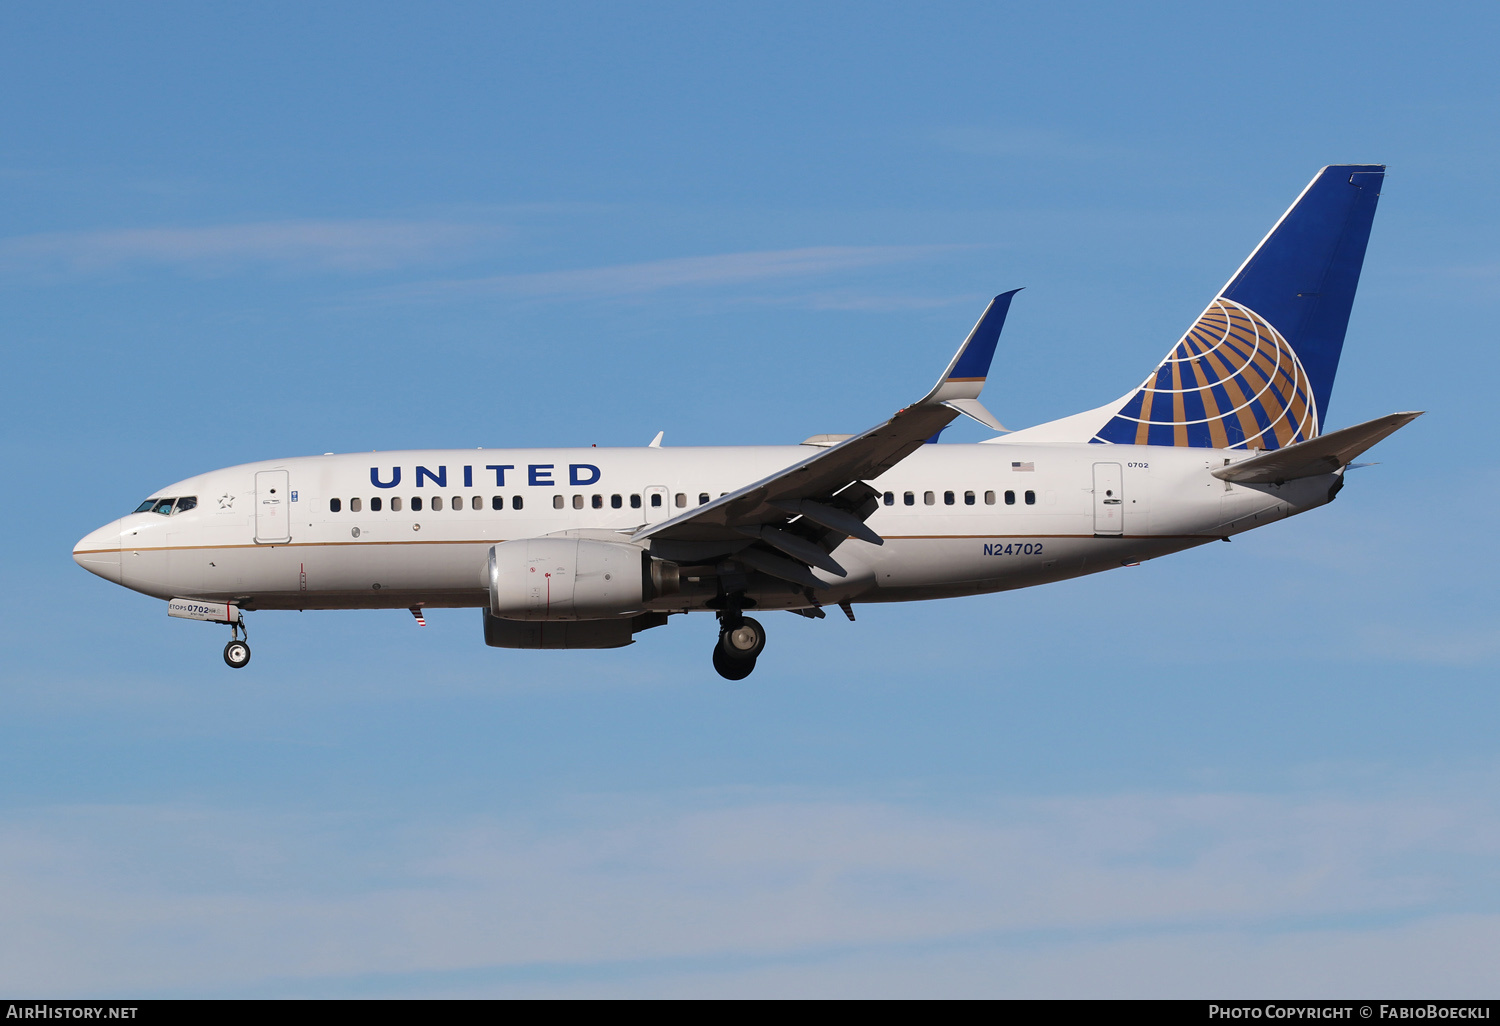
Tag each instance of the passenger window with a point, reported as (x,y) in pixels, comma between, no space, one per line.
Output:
(334,505)
(929,498)
(458,502)
(1031,498)
(702,498)
(948,498)
(968,498)
(476,502)
(437,504)
(416,503)
(655,499)
(597,502)
(515,502)
(989,498)
(395,504)
(355,505)
(558,502)
(890,498)
(635,502)
(1010,498)
(497,502)
(185,503)
(909,499)
(578,502)
(615,502)
(681,500)
(375,504)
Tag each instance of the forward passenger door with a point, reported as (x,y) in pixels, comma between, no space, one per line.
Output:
(273,525)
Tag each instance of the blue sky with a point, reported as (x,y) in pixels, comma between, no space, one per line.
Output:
(1264,768)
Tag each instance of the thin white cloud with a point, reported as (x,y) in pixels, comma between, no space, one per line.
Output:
(722,269)
(632,891)
(329,245)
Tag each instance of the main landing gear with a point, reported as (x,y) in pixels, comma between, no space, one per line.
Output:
(237,652)
(741,640)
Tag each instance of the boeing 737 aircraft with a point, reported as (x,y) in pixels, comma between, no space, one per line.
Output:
(585,548)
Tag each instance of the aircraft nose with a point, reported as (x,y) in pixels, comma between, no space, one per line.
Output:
(98,552)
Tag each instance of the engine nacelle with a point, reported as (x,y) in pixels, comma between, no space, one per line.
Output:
(574,579)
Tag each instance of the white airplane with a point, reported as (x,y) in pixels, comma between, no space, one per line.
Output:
(585,548)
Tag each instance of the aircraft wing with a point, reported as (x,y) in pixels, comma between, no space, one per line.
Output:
(790,521)
(1321,455)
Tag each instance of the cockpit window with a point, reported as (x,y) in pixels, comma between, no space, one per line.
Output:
(164,506)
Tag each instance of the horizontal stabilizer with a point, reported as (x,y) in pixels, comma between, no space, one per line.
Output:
(1322,455)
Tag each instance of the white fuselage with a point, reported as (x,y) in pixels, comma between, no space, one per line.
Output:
(956,535)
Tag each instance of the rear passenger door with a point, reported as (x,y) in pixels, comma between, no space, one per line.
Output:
(1109,499)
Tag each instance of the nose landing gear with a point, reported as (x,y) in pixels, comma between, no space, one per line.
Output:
(237,652)
(741,641)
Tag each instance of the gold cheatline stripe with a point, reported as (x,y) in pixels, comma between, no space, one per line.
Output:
(497,541)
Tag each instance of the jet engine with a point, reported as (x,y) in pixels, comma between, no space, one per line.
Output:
(564,578)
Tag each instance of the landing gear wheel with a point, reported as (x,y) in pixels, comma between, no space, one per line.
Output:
(731,669)
(744,642)
(237,654)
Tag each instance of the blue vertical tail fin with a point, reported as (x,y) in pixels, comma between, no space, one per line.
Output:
(1256,369)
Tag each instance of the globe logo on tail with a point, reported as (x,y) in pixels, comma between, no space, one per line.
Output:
(1232,382)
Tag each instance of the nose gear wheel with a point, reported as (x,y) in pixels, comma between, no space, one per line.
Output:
(237,654)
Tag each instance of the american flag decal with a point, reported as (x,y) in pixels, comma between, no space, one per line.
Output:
(1023,466)
(417,612)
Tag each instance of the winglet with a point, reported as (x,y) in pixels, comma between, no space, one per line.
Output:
(964,378)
